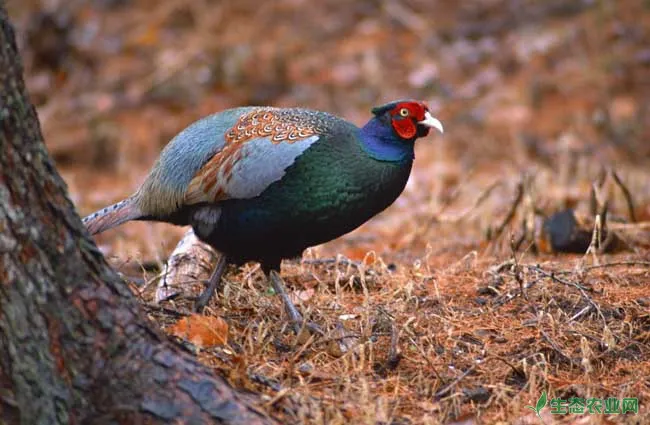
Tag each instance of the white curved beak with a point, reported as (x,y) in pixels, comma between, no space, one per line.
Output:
(431,122)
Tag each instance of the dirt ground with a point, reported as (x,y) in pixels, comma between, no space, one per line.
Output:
(451,306)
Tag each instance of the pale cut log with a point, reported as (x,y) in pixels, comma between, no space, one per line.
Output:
(189,266)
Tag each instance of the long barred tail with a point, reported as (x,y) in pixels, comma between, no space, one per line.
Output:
(112,216)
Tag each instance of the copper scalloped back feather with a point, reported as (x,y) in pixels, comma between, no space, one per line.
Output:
(266,122)
(215,181)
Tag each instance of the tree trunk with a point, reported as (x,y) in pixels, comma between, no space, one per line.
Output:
(74,345)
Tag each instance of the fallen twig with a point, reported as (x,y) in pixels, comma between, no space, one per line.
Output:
(554,276)
(618,264)
(447,388)
(341,261)
(166,310)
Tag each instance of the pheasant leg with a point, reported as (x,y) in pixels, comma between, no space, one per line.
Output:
(294,315)
(213,284)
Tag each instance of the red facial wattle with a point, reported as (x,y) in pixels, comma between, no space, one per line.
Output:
(405,126)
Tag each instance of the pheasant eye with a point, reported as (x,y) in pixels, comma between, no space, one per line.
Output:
(404,112)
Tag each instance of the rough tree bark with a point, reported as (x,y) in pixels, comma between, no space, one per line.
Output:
(74,346)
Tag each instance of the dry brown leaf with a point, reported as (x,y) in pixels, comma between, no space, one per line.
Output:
(202,331)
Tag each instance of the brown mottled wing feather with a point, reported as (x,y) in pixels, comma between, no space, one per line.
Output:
(257,151)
